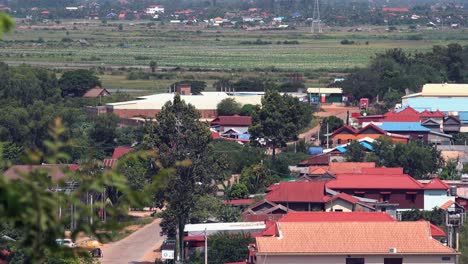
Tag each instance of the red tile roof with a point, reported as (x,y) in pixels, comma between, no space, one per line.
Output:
(337,217)
(396,9)
(343,196)
(383,170)
(120,151)
(322,159)
(312,192)
(346,238)
(96,92)
(54,171)
(374,181)
(436,184)
(109,163)
(349,167)
(435,230)
(235,120)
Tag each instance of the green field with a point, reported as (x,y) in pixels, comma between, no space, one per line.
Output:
(202,48)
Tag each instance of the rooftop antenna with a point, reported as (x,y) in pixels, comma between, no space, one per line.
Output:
(316,22)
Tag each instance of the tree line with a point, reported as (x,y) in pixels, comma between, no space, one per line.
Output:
(391,73)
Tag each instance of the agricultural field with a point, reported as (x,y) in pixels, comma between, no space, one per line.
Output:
(94,44)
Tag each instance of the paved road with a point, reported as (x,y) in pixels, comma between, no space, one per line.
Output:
(133,248)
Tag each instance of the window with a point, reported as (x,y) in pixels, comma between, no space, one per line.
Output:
(393,261)
(411,197)
(350,140)
(446,258)
(338,141)
(354,260)
(384,197)
(338,210)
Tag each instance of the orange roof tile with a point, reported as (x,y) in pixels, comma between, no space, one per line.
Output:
(327,238)
(447,204)
(374,181)
(337,217)
(349,167)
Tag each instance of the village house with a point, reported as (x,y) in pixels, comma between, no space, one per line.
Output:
(414,130)
(96,92)
(346,134)
(325,95)
(384,242)
(392,186)
(240,124)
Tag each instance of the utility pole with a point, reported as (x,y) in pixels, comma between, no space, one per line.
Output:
(206,248)
(316,22)
(327,135)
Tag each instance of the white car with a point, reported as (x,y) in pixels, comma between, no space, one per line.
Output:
(66,242)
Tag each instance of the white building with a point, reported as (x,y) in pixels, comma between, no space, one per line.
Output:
(155,9)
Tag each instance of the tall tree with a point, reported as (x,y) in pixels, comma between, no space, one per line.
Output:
(278,120)
(228,107)
(355,152)
(183,142)
(6,23)
(76,83)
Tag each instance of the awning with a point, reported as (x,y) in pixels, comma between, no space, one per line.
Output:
(385,192)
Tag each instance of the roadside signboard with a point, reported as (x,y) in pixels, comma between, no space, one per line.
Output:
(364,103)
(167,254)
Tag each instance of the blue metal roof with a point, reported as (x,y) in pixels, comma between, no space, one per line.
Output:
(463,116)
(445,104)
(403,126)
(367,145)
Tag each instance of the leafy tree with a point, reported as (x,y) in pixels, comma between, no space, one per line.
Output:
(224,247)
(449,171)
(104,131)
(153,65)
(416,159)
(182,141)
(257,178)
(247,110)
(355,152)
(238,156)
(333,124)
(238,191)
(77,82)
(228,214)
(278,120)
(6,23)
(29,209)
(207,207)
(228,107)
(253,84)
(223,85)
(138,168)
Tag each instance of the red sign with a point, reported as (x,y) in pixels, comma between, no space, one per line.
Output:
(364,103)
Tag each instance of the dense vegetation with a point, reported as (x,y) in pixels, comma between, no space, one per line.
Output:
(389,74)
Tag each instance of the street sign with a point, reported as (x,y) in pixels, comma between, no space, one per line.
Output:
(168,254)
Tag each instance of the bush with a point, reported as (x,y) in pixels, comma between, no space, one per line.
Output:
(347,42)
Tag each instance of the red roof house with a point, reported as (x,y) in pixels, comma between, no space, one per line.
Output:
(237,122)
(347,134)
(399,189)
(96,92)
(395,10)
(120,151)
(299,196)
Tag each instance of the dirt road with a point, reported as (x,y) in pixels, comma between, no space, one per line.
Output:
(338,111)
(135,248)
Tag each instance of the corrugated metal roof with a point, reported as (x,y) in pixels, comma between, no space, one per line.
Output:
(438,103)
(445,89)
(325,90)
(403,126)
(205,101)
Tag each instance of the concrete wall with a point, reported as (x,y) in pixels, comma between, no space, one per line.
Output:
(433,198)
(272,259)
(340,205)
